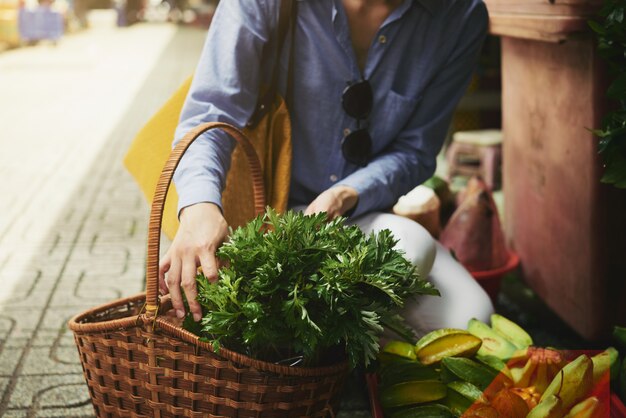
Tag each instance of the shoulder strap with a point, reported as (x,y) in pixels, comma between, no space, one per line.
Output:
(290,71)
(284,20)
(286,17)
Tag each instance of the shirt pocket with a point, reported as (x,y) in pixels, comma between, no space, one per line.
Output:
(389,119)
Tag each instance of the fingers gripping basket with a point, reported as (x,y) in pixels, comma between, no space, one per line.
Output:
(138,364)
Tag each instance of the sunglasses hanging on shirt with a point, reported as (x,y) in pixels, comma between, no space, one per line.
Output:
(357,100)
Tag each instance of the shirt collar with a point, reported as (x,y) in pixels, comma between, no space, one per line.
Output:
(431,5)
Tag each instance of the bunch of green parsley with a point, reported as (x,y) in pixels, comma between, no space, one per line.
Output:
(300,285)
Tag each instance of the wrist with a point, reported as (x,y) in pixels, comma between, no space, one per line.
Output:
(200,209)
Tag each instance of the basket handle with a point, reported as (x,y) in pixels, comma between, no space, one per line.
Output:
(158,202)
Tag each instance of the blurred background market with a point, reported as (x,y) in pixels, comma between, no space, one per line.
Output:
(24,22)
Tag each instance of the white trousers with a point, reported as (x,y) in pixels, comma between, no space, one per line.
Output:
(461,298)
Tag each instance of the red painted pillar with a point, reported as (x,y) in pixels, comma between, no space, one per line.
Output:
(568,229)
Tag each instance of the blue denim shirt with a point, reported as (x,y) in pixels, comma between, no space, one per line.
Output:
(419,65)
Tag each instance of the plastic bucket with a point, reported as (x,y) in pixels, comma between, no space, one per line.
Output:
(491,280)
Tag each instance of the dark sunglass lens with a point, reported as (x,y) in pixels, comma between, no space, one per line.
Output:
(357,99)
(357,147)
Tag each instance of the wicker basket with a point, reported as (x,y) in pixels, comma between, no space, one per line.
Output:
(139,364)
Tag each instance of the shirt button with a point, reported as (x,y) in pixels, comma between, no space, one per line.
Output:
(346,132)
(382,39)
(333,178)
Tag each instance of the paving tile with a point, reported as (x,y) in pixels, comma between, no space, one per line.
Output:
(12,413)
(66,355)
(56,317)
(87,292)
(84,411)
(23,321)
(80,298)
(61,337)
(27,258)
(17,342)
(47,361)
(115,266)
(7,324)
(33,291)
(64,396)
(31,390)
(9,359)
(4,381)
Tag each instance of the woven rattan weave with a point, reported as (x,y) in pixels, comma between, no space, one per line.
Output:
(138,363)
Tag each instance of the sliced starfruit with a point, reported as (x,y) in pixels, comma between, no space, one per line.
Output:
(388,358)
(399,372)
(461,396)
(573,382)
(468,370)
(396,352)
(495,363)
(400,348)
(550,407)
(606,361)
(446,342)
(409,393)
(589,408)
(510,331)
(493,343)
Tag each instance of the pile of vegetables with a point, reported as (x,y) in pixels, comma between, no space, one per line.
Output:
(302,286)
(494,371)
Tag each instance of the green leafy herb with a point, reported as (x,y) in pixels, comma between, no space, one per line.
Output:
(298,285)
(611,35)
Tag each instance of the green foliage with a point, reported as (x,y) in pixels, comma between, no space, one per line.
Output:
(611,34)
(298,285)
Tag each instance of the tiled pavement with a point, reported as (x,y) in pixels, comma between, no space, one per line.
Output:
(72,222)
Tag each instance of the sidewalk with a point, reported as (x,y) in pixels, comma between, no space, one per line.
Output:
(72,222)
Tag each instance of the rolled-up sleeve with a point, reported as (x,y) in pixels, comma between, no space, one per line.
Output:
(224,89)
(411,158)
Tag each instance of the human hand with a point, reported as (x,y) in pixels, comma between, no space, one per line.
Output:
(202,230)
(334,201)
